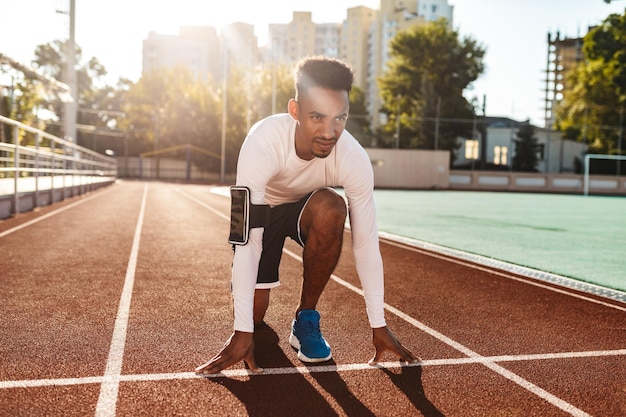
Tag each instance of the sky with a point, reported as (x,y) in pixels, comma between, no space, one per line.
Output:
(514,33)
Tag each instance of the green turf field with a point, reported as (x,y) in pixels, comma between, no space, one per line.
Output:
(569,235)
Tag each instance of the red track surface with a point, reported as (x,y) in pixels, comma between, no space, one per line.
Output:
(107,306)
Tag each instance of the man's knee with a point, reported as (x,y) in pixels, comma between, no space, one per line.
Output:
(325,210)
(329,204)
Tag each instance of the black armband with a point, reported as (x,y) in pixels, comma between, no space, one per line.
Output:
(244,215)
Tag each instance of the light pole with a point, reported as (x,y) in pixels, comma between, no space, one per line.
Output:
(224,104)
(71,106)
(437,123)
(397,146)
(619,138)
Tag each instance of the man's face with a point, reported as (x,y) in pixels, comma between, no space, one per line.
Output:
(321,114)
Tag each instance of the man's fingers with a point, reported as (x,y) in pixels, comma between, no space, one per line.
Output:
(238,347)
(377,355)
(374,361)
(253,367)
(408,356)
(404,353)
(251,362)
(216,364)
(384,340)
(214,367)
(210,367)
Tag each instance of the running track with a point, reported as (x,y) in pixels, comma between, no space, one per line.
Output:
(109,300)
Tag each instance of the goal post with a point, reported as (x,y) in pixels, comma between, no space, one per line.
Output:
(589,157)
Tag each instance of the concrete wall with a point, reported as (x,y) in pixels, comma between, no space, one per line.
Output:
(411,169)
(535,182)
(21,202)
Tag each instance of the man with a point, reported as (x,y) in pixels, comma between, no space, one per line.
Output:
(289,162)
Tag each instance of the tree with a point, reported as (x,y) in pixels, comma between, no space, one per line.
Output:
(50,59)
(272,87)
(359,122)
(526,149)
(25,97)
(22,102)
(591,109)
(35,97)
(170,107)
(167,108)
(429,69)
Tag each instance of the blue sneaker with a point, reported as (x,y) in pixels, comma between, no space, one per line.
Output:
(307,337)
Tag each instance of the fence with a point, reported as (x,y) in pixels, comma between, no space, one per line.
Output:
(37,168)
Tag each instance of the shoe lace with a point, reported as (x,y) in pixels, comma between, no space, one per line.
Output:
(311,329)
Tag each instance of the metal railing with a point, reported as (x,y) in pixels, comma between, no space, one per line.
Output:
(33,161)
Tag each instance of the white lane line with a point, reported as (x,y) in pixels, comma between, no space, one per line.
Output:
(540,392)
(53,213)
(460,257)
(529,386)
(111,381)
(203,204)
(228,373)
(55,382)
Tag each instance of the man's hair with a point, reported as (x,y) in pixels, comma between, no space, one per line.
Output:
(321,71)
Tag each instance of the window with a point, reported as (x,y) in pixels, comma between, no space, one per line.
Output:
(500,154)
(471,149)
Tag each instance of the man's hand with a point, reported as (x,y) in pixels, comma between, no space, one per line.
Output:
(384,340)
(239,346)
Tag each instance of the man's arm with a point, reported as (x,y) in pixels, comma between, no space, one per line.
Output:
(257,163)
(254,168)
(359,188)
(358,183)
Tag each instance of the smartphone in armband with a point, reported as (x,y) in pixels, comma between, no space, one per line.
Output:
(239,215)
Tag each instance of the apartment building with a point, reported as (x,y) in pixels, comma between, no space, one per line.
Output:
(193,48)
(291,41)
(355,41)
(328,39)
(240,45)
(200,49)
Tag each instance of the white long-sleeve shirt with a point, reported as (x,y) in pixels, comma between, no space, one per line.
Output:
(269,167)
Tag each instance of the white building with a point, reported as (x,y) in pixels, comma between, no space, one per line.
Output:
(555,154)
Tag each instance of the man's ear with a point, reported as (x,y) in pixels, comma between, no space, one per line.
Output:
(293,109)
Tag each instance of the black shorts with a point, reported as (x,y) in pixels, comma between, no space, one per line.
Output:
(284,221)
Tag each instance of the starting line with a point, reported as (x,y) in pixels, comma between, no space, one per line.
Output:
(237,373)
